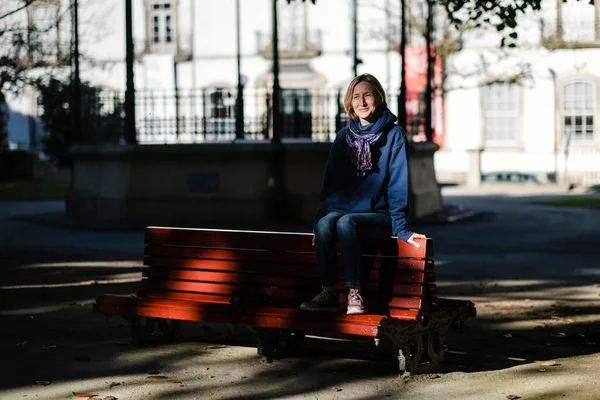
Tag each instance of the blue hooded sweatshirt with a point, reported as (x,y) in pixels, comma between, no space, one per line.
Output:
(384,189)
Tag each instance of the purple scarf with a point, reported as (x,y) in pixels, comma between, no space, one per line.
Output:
(359,145)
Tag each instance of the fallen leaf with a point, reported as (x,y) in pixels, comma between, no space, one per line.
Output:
(157,377)
(84,395)
(549,364)
(23,343)
(507,335)
(512,397)
(154,372)
(113,384)
(49,347)
(110,398)
(206,368)
(216,346)
(542,370)
(558,334)
(336,389)
(173,381)
(244,377)
(434,376)
(212,376)
(43,383)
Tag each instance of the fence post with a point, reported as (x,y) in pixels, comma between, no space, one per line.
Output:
(268,116)
(338,115)
(204,113)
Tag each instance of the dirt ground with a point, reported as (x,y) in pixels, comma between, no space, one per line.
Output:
(532,271)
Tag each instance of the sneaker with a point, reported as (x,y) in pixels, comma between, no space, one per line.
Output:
(355,303)
(327,301)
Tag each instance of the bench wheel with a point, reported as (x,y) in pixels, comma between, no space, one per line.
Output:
(142,329)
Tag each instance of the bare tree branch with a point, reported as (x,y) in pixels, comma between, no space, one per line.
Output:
(26,4)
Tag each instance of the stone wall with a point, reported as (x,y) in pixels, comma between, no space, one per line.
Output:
(208,184)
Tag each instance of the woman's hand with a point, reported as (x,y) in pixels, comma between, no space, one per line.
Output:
(412,238)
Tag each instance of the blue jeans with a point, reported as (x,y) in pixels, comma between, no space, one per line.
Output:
(355,232)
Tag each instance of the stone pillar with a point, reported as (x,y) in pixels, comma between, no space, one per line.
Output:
(425,192)
(474,172)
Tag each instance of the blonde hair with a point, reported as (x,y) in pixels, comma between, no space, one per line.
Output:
(377,88)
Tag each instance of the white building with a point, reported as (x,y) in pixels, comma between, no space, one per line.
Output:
(510,109)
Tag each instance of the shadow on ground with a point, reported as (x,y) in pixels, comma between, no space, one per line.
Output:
(533,283)
(47,325)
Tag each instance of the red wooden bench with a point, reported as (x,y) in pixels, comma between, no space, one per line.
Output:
(259,279)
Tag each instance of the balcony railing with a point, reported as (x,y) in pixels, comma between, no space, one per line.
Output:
(180,49)
(290,46)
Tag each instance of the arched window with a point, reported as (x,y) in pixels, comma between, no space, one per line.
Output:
(220,114)
(578,103)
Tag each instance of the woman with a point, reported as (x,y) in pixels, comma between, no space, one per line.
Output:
(364,195)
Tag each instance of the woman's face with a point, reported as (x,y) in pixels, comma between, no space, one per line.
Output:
(364,102)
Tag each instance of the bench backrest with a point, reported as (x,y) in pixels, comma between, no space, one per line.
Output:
(277,268)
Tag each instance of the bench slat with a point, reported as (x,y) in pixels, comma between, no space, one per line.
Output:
(195,269)
(208,298)
(362,325)
(159,275)
(267,257)
(174,287)
(274,241)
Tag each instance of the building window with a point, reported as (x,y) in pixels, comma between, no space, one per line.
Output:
(43,36)
(578,105)
(501,113)
(578,21)
(161,20)
(292,27)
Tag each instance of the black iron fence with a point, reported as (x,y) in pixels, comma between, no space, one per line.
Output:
(209,115)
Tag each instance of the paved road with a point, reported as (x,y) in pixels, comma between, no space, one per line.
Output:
(530,269)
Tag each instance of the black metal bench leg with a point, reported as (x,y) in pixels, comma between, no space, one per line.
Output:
(292,340)
(145,330)
(267,345)
(435,349)
(142,330)
(410,355)
(170,328)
